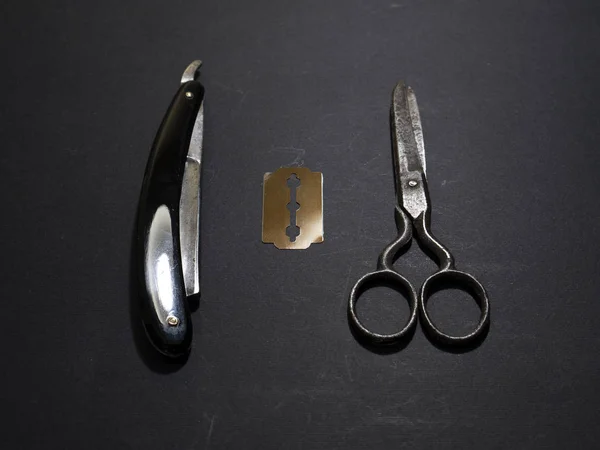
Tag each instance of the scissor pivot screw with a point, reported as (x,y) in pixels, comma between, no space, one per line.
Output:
(172,321)
(189,94)
(412,183)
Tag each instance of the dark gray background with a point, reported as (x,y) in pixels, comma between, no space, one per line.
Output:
(508,93)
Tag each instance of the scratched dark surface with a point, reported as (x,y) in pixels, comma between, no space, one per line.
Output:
(508,93)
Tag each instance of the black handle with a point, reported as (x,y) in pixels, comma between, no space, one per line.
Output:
(164,306)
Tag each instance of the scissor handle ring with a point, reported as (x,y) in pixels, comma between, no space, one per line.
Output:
(448,279)
(384,278)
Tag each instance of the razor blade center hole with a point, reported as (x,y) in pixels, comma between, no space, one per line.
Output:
(293,230)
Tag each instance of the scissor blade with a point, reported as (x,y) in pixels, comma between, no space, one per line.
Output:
(409,147)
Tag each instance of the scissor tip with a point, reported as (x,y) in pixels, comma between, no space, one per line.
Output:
(401,86)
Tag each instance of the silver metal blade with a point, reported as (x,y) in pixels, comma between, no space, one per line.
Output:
(189,203)
(409,146)
(191,71)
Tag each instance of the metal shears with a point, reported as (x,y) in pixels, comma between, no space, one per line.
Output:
(413,212)
(168,220)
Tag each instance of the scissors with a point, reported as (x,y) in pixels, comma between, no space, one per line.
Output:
(413,212)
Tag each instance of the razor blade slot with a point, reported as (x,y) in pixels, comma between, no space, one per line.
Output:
(293,230)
